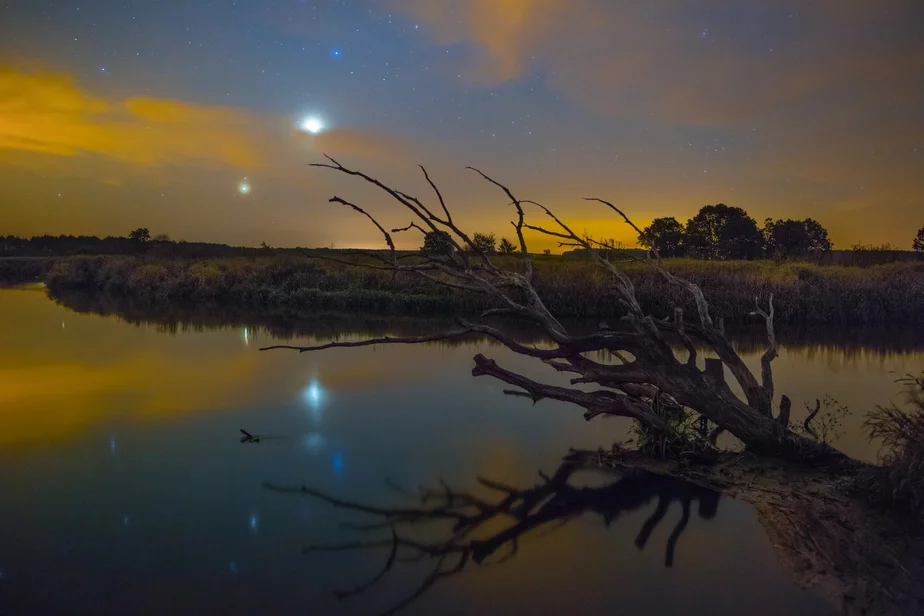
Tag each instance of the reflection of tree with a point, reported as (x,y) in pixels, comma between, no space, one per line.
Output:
(864,559)
(547,505)
(284,323)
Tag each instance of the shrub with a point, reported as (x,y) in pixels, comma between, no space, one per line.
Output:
(901,431)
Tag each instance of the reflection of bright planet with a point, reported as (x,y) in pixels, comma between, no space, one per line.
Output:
(313,394)
(312,125)
(243,188)
(314,441)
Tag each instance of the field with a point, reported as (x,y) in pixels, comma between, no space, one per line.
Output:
(890,294)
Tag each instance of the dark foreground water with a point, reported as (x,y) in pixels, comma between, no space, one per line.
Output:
(126,490)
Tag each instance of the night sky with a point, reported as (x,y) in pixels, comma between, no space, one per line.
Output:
(188,117)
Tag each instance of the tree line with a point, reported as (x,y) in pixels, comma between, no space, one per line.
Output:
(724,232)
(717,232)
(138,241)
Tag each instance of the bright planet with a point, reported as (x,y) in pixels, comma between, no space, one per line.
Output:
(312,125)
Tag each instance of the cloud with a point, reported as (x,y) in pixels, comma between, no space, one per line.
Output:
(176,166)
(819,105)
(44,113)
(501,32)
(50,114)
(704,64)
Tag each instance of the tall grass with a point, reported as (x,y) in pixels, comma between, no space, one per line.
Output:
(901,431)
(804,294)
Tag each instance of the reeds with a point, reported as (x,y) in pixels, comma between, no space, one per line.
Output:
(804,293)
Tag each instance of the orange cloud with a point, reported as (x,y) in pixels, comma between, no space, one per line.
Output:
(177,164)
(502,31)
(50,114)
(42,113)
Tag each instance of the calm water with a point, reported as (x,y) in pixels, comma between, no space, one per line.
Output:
(126,490)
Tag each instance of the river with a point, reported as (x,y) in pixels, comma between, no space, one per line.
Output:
(127,490)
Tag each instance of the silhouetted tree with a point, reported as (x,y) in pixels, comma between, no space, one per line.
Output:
(723,232)
(666,235)
(547,251)
(918,244)
(140,235)
(161,237)
(484,242)
(66,245)
(437,243)
(787,238)
(818,236)
(506,247)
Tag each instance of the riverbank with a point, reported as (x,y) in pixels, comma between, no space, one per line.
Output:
(804,294)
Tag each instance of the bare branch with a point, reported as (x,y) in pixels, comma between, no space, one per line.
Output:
(343,594)
(807,424)
(617,210)
(413,225)
(785,406)
(595,403)
(388,240)
(771,353)
(411,203)
(456,333)
(518,225)
(682,332)
(439,195)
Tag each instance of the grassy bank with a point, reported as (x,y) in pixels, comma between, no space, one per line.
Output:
(805,293)
(20,270)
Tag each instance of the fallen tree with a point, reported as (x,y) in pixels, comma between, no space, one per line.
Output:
(646,377)
(825,532)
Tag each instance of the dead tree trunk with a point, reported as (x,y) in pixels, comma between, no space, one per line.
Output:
(649,369)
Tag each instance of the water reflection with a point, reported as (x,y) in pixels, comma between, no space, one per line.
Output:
(314,441)
(856,367)
(313,395)
(283,324)
(130,491)
(478,529)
